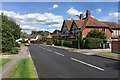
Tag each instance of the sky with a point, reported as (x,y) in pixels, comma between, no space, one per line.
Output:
(49,16)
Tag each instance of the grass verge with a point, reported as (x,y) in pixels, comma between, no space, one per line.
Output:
(24,69)
(4,61)
(110,54)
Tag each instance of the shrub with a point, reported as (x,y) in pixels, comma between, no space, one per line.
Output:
(92,43)
(49,41)
(74,44)
(57,43)
(14,50)
(67,43)
(17,44)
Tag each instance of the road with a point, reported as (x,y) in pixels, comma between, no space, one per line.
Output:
(52,62)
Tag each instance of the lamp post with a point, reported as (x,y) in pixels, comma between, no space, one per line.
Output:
(78,34)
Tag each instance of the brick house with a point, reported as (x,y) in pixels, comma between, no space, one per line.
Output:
(70,28)
(116,30)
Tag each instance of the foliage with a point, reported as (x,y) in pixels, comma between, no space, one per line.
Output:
(10,32)
(49,41)
(67,43)
(56,31)
(23,35)
(96,34)
(14,50)
(92,43)
(94,39)
(75,44)
(43,33)
(11,25)
(17,44)
(8,41)
(57,43)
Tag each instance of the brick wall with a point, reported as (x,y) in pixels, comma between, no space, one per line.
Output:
(115,46)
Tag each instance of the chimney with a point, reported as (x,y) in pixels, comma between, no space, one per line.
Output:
(81,16)
(87,13)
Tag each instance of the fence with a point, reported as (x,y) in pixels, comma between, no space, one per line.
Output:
(115,46)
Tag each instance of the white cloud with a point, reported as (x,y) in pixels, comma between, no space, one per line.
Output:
(54,6)
(93,16)
(98,10)
(29,21)
(73,11)
(27,27)
(114,15)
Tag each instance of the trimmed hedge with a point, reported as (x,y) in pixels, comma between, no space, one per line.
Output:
(74,44)
(67,43)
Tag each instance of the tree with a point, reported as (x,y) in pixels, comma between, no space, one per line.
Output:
(23,35)
(96,34)
(43,33)
(10,32)
(56,31)
(94,39)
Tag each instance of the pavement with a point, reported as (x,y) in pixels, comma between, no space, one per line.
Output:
(52,62)
(8,67)
(90,52)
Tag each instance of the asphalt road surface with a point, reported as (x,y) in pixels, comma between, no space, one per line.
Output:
(52,62)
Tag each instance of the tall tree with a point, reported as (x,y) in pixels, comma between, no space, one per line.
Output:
(10,32)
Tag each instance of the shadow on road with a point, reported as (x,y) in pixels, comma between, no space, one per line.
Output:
(114,66)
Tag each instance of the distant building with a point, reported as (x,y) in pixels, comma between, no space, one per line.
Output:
(116,30)
(34,37)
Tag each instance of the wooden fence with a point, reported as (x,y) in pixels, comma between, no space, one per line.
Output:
(115,46)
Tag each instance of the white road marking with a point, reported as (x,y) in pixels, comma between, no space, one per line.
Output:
(59,54)
(49,50)
(93,66)
(44,48)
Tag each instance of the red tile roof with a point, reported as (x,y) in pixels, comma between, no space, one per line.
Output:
(68,23)
(79,23)
(112,24)
(34,36)
(90,21)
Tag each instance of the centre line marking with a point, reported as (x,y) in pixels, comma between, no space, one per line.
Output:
(49,50)
(44,48)
(93,66)
(59,54)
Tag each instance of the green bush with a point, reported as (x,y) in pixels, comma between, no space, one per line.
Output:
(17,44)
(92,43)
(49,41)
(67,43)
(57,43)
(14,50)
(74,44)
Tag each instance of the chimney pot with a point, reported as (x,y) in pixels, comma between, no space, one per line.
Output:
(87,13)
(81,16)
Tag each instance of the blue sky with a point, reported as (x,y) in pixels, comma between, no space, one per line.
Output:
(50,15)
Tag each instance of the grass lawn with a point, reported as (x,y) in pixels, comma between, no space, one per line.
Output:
(4,61)
(110,53)
(24,69)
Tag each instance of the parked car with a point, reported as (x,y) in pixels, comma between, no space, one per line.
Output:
(27,44)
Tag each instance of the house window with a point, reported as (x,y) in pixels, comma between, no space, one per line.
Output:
(103,30)
(74,29)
